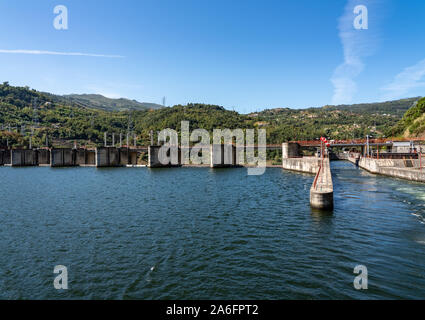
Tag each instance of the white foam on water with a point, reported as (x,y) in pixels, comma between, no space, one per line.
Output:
(419,216)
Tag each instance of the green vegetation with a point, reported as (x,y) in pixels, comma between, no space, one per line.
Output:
(97,101)
(336,122)
(396,107)
(413,122)
(63,120)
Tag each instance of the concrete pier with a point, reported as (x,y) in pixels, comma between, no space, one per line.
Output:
(108,157)
(23,158)
(291,150)
(223,156)
(62,158)
(408,169)
(133,156)
(154,157)
(43,157)
(293,160)
(305,164)
(4,157)
(124,157)
(321,192)
(85,157)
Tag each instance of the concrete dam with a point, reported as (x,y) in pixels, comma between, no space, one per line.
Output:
(221,156)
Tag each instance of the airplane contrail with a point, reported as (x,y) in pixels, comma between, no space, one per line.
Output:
(56,53)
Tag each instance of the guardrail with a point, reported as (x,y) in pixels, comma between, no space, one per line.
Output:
(317,178)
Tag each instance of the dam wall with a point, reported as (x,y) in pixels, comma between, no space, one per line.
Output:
(174,156)
(108,157)
(23,158)
(408,169)
(291,150)
(85,157)
(63,157)
(43,157)
(293,160)
(305,164)
(223,156)
(4,157)
(116,157)
(124,157)
(133,157)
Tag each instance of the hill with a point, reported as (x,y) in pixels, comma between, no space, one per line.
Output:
(412,125)
(98,101)
(336,122)
(63,120)
(396,107)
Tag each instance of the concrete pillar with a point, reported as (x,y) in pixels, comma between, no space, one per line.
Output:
(84,157)
(114,157)
(108,157)
(133,155)
(90,157)
(154,161)
(223,156)
(322,192)
(68,157)
(56,158)
(322,200)
(7,157)
(17,157)
(22,158)
(102,157)
(62,157)
(80,157)
(124,156)
(290,150)
(30,158)
(43,157)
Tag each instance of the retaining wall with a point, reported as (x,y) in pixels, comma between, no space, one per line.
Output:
(305,164)
(403,169)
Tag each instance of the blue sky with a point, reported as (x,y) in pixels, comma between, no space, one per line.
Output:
(244,55)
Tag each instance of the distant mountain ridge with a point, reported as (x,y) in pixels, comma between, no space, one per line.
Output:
(98,101)
(395,108)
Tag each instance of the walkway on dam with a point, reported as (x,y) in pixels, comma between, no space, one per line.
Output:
(407,169)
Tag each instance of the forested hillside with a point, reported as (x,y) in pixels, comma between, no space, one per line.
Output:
(413,123)
(98,101)
(62,121)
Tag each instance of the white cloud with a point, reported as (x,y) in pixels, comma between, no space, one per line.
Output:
(357,44)
(56,53)
(410,78)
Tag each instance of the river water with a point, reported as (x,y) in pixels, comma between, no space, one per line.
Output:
(198,233)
